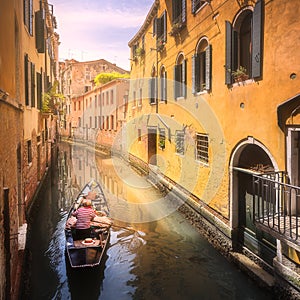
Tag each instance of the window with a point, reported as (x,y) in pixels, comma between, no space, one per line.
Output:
(163,84)
(244,45)
(162,138)
(112,97)
(28,15)
(202,147)
(39,86)
(197,5)
(179,12)
(160,29)
(134,100)
(29,72)
(179,142)
(40,31)
(29,152)
(152,90)
(180,77)
(140,101)
(139,135)
(201,64)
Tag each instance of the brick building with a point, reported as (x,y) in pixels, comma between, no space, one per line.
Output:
(219,120)
(77,78)
(28,50)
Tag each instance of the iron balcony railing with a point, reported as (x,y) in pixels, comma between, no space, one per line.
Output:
(276,206)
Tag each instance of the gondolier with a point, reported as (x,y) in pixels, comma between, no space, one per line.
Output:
(84,215)
(87,227)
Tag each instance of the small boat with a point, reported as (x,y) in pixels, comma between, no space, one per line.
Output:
(88,252)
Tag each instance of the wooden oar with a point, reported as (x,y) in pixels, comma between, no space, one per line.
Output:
(113,225)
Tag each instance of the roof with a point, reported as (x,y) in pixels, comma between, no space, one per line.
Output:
(152,12)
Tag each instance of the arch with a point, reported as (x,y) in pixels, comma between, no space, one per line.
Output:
(234,162)
(202,44)
(180,58)
(245,158)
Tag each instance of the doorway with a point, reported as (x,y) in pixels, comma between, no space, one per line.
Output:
(249,159)
(152,145)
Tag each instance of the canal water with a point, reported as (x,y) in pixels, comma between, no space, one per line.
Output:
(161,258)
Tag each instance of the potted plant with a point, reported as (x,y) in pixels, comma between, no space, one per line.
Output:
(162,143)
(240,74)
(139,52)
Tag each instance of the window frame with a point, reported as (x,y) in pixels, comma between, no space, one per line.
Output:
(179,142)
(202,150)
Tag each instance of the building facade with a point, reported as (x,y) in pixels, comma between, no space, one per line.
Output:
(28,51)
(99,116)
(218,121)
(77,78)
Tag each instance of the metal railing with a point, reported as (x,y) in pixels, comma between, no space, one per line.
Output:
(276,205)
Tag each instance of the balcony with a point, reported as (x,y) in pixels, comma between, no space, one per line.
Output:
(276,207)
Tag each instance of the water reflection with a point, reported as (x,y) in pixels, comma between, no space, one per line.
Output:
(162,259)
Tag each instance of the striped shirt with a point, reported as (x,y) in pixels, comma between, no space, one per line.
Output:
(84,216)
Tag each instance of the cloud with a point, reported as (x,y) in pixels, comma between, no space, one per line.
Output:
(93,29)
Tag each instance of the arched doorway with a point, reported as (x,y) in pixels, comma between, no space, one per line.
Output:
(249,158)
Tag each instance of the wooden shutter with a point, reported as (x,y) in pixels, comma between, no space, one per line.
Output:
(208,68)
(165,26)
(228,53)
(174,10)
(193,7)
(257,53)
(183,11)
(194,72)
(40,31)
(183,86)
(175,82)
(39,89)
(26,79)
(30,17)
(32,67)
(154,26)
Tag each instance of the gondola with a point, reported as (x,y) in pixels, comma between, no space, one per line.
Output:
(88,252)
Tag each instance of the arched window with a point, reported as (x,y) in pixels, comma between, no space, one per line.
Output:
(201,67)
(244,44)
(180,77)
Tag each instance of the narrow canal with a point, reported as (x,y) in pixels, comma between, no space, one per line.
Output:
(161,259)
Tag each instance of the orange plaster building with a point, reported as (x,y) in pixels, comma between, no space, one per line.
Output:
(217,83)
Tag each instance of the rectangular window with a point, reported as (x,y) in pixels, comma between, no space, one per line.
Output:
(202,147)
(160,26)
(140,101)
(179,142)
(134,100)
(28,15)
(29,152)
(179,12)
(197,5)
(111,97)
(180,80)
(152,90)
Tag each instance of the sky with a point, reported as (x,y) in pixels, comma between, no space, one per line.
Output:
(96,29)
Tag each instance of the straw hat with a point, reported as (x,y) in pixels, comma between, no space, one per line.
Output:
(87,202)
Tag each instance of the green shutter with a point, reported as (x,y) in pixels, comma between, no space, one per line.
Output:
(184,87)
(26,79)
(183,11)
(40,31)
(32,67)
(228,53)
(208,68)
(257,40)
